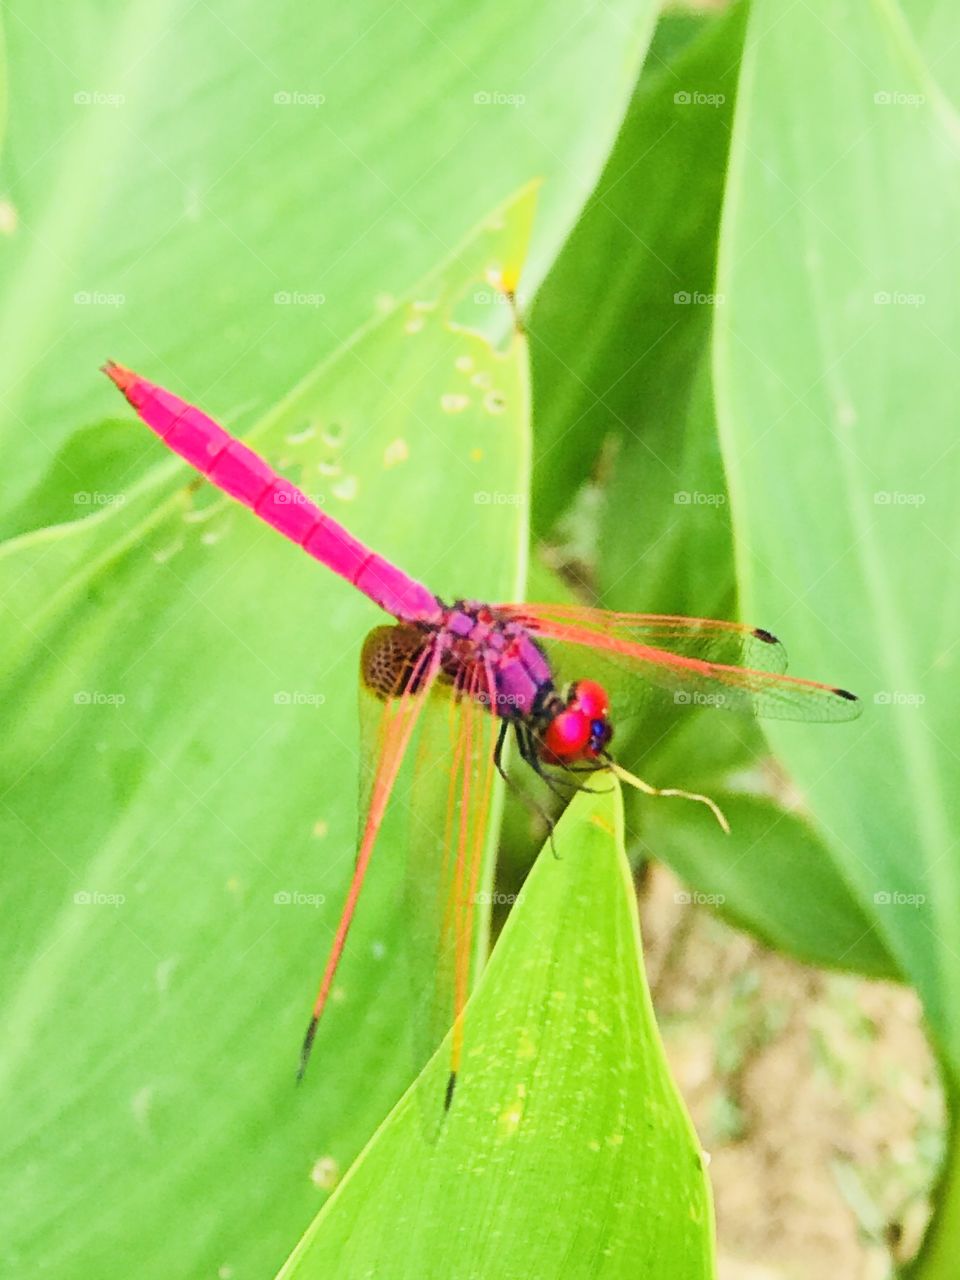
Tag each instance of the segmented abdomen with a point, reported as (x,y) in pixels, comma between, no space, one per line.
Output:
(233,467)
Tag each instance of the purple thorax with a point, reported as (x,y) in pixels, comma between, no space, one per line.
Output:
(517,665)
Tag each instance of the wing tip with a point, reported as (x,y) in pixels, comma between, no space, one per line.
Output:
(306,1047)
(761,633)
(448,1096)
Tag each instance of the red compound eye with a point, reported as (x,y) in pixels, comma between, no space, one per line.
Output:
(591,699)
(567,735)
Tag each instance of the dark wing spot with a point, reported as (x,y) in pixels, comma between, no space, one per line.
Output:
(389,660)
(845,693)
(766,636)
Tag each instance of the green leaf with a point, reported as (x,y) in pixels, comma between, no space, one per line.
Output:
(567,1144)
(627,376)
(838,258)
(642,379)
(227,196)
(774,874)
(179,765)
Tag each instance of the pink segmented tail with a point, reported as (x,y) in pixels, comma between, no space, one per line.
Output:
(241,473)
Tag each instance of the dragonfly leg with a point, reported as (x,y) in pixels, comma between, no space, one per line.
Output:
(528,800)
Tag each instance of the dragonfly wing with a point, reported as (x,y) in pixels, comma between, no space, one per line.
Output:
(450,805)
(732,644)
(390,709)
(693,661)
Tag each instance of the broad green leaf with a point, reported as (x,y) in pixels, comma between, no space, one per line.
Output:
(641,377)
(833,360)
(180,765)
(567,1151)
(838,255)
(227,193)
(644,243)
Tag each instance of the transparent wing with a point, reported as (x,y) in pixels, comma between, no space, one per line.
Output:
(450,805)
(708,639)
(390,710)
(693,661)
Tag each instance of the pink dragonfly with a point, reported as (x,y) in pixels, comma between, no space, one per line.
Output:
(498,664)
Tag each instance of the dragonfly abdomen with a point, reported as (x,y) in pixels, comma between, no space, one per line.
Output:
(234,467)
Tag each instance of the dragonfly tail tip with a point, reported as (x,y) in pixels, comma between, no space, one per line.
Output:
(118,374)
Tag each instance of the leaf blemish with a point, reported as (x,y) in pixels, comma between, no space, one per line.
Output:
(395,453)
(453,402)
(301,437)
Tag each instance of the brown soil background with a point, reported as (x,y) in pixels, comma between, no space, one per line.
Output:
(814,1093)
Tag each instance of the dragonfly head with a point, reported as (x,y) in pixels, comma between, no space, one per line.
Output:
(582,728)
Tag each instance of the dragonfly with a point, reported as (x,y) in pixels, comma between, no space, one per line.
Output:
(499,667)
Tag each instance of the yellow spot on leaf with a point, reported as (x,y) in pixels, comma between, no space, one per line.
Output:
(345,489)
(325,1173)
(395,453)
(508,1121)
(8,218)
(301,437)
(453,402)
